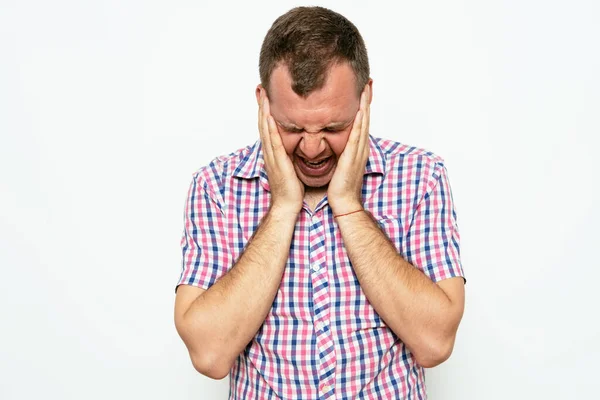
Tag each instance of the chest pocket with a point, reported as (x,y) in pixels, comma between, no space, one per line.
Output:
(394,229)
(351,294)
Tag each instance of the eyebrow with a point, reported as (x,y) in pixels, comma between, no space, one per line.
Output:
(333,125)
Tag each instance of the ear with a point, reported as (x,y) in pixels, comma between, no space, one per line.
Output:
(370,84)
(258,90)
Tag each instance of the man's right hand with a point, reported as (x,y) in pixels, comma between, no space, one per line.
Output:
(287,192)
(208,320)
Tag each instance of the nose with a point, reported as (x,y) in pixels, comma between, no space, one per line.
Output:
(312,144)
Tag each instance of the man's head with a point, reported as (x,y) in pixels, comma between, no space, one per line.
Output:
(314,67)
(309,40)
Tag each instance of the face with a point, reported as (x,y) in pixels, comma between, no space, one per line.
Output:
(314,130)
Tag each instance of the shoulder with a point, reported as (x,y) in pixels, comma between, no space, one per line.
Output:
(212,176)
(396,152)
(412,165)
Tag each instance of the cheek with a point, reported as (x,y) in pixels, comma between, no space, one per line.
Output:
(338,142)
(290,142)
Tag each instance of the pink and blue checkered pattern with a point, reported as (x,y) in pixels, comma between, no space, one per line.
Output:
(322,339)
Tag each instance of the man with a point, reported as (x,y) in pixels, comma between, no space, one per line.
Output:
(320,262)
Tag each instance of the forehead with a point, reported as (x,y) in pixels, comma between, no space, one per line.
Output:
(337,100)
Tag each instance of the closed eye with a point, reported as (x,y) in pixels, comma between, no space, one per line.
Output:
(331,129)
(290,129)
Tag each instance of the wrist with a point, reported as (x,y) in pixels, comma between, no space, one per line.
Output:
(346,208)
(348,213)
(284,212)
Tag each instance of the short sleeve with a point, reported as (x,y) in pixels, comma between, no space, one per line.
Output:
(432,241)
(204,243)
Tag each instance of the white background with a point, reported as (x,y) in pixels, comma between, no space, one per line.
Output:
(108,107)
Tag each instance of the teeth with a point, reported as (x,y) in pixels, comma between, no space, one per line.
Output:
(315,163)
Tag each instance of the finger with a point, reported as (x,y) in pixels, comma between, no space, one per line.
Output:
(260,113)
(355,134)
(367,110)
(275,138)
(261,116)
(258,118)
(352,144)
(278,150)
(269,122)
(363,139)
(265,137)
(366,119)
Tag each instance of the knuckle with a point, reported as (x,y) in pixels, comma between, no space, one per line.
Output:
(276,146)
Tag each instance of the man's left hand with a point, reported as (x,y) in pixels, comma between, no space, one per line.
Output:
(345,188)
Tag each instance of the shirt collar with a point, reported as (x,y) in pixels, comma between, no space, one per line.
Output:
(253,165)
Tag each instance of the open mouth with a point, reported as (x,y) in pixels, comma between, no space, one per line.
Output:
(315,164)
(316,168)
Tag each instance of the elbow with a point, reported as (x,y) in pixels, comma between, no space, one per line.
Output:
(435,353)
(210,367)
(206,358)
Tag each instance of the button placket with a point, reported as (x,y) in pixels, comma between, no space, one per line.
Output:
(321,303)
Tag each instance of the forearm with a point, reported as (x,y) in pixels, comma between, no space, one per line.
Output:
(224,319)
(413,306)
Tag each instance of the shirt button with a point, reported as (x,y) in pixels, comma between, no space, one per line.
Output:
(315,268)
(325,388)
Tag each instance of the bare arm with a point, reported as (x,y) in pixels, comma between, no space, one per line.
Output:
(217,324)
(425,315)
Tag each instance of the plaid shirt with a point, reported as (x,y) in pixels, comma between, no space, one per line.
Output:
(322,339)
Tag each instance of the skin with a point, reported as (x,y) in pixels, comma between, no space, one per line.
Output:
(316,128)
(217,324)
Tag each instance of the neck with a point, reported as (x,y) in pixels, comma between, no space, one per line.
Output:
(312,196)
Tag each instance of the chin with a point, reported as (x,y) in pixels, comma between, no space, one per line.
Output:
(315,186)
(316,183)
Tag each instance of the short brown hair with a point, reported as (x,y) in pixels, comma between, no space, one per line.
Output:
(309,40)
